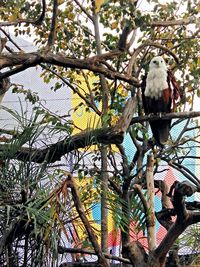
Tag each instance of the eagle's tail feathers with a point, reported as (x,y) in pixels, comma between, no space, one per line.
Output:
(160,130)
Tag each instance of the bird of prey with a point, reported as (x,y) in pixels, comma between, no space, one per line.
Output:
(159,93)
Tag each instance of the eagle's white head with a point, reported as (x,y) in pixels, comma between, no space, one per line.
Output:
(157,63)
(157,78)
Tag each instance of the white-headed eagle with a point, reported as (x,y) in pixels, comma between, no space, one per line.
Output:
(159,93)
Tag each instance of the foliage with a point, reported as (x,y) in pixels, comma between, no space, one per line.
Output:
(32,195)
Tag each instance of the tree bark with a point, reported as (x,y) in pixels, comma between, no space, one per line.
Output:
(151,219)
(136,253)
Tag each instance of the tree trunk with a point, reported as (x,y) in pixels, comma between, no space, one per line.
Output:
(104,190)
(104,173)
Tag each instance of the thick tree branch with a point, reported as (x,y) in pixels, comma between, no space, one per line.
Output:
(28,60)
(165,217)
(136,253)
(122,44)
(54,152)
(194,205)
(4,83)
(150,215)
(109,135)
(162,185)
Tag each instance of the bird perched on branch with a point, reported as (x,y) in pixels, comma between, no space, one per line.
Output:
(159,93)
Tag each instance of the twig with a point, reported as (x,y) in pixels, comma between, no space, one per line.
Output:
(185,173)
(91,104)
(84,10)
(62,250)
(148,44)
(10,39)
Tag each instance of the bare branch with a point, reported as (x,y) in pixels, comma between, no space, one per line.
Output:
(10,39)
(180,22)
(141,47)
(28,60)
(52,34)
(138,189)
(122,44)
(62,250)
(84,10)
(185,172)
(173,115)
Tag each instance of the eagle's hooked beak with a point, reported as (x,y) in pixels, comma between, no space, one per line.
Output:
(156,62)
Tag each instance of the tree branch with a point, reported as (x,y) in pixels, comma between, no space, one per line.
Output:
(28,60)
(150,215)
(89,103)
(167,116)
(62,250)
(136,253)
(52,34)
(54,152)
(84,10)
(183,220)
(180,22)
(109,135)
(141,47)
(185,172)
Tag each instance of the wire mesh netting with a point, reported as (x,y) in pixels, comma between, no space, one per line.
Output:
(75,235)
